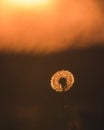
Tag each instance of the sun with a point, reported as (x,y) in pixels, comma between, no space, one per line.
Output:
(28,3)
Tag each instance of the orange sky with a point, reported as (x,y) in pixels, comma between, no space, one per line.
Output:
(50,26)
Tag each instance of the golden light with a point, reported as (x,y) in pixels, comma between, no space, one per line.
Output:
(62,81)
(28,3)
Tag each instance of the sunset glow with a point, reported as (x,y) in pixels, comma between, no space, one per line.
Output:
(50,26)
(28,3)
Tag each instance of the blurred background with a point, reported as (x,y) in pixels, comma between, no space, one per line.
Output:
(27,101)
(39,38)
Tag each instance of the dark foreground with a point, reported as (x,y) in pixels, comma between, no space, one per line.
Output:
(28,102)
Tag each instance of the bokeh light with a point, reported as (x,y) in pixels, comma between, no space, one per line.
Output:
(62,81)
